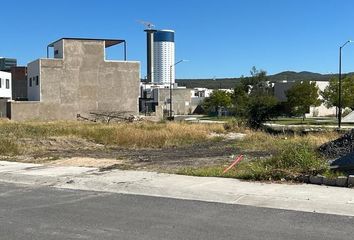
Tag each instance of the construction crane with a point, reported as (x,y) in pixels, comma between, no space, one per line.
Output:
(148,25)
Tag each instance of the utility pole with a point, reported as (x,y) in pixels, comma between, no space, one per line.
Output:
(340,84)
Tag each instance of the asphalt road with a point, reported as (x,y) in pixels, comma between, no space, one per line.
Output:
(49,213)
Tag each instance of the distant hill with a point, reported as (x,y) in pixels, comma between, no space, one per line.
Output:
(231,82)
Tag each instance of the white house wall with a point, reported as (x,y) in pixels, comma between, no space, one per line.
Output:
(322,110)
(5,89)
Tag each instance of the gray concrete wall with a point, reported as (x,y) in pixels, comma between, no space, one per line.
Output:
(22,111)
(58,49)
(82,82)
(182,103)
(33,90)
(3,104)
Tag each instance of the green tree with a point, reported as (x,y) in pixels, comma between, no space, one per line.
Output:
(253,100)
(301,96)
(217,100)
(260,108)
(330,93)
(240,100)
(258,82)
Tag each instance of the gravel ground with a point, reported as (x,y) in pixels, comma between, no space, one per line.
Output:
(339,147)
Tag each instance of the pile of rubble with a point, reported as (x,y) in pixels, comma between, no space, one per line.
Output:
(110,116)
(339,147)
(341,152)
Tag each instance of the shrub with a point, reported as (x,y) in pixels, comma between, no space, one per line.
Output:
(261,108)
(293,159)
(298,156)
(235,125)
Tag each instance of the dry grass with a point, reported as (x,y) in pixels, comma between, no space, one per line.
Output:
(141,135)
(9,147)
(261,141)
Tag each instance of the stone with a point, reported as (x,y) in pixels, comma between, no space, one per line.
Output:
(316,179)
(340,152)
(351,181)
(304,178)
(329,181)
(339,147)
(342,181)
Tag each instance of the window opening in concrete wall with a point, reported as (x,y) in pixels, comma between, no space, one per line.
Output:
(37,80)
(7,84)
(30,82)
(115,53)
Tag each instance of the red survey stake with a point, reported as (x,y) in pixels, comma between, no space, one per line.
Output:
(237,160)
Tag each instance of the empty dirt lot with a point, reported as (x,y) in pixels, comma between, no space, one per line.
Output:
(79,152)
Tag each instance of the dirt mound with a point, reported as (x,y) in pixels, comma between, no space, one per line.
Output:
(86,162)
(339,147)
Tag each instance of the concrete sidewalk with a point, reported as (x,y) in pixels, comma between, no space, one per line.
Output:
(304,126)
(299,197)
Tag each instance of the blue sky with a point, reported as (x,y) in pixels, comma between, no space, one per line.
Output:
(222,38)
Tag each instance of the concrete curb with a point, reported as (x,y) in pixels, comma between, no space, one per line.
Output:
(341,181)
(351,181)
(316,180)
(329,181)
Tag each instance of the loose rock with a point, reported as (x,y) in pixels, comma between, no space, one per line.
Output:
(339,147)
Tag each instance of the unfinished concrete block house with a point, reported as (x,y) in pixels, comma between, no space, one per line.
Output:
(78,80)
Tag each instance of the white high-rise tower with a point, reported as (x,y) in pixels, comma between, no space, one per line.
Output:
(164,57)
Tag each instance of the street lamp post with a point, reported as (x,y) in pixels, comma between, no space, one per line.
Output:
(340,84)
(145,95)
(170,117)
